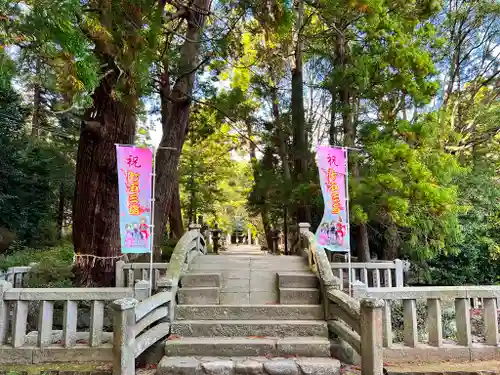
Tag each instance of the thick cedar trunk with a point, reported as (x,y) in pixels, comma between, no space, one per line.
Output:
(298,114)
(175,114)
(95,207)
(175,214)
(391,249)
(281,140)
(60,211)
(333,115)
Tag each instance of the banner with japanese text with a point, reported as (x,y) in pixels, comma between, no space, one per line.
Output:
(134,187)
(333,231)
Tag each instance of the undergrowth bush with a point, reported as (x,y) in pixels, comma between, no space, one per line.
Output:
(53,269)
(23,256)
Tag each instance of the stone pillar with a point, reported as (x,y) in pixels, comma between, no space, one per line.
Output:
(276,238)
(256,240)
(4,311)
(124,336)
(399,273)
(141,290)
(371,336)
(196,227)
(304,227)
(216,233)
(119,275)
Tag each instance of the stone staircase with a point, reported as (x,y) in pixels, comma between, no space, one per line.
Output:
(248,314)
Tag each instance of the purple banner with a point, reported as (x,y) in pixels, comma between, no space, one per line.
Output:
(134,187)
(333,231)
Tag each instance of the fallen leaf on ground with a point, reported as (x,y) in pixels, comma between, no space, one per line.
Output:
(174,337)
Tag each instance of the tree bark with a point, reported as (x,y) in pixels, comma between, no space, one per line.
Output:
(95,207)
(298,113)
(175,114)
(60,211)
(175,215)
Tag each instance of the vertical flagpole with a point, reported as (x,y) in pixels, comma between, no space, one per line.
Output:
(348,224)
(152,232)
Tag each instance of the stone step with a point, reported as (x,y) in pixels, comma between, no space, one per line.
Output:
(250,366)
(248,346)
(244,328)
(297,280)
(199,296)
(249,312)
(299,296)
(194,279)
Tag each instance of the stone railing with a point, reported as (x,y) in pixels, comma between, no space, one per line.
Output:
(189,246)
(136,327)
(476,330)
(374,274)
(356,322)
(16,275)
(139,325)
(128,273)
(22,307)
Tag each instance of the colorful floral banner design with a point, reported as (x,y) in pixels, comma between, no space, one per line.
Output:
(333,231)
(134,187)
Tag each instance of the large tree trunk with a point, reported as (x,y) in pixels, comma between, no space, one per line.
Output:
(175,215)
(298,113)
(95,207)
(60,211)
(176,106)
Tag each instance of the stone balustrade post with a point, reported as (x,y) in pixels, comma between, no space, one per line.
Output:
(141,290)
(124,336)
(165,284)
(4,311)
(119,275)
(371,336)
(399,273)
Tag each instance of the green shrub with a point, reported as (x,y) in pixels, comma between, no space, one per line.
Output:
(23,256)
(50,273)
(167,248)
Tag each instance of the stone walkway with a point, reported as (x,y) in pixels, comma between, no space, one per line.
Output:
(248,275)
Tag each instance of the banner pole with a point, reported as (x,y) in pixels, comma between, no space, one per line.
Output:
(151,242)
(348,226)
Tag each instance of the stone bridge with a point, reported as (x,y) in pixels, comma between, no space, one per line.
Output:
(244,311)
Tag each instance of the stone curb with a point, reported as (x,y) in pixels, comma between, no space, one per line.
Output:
(56,372)
(247,366)
(479,372)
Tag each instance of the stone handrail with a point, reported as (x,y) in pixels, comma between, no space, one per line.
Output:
(190,245)
(155,313)
(137,326)
(18,347)
(17,275)
(373,273)
(127,273)
(356,322)
(435,297)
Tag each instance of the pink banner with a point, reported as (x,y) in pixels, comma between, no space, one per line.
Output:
(333,231)
(134,187)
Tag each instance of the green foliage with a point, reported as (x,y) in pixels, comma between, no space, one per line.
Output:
(33,171)
(51,273)
(214,185)
(60,254)
(408,183)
